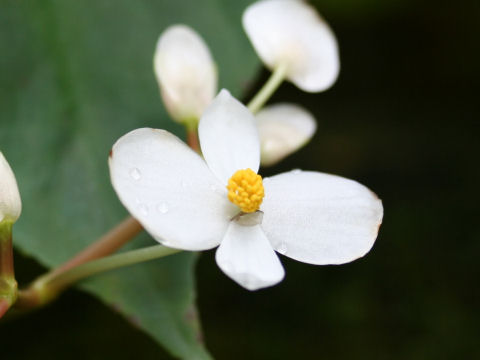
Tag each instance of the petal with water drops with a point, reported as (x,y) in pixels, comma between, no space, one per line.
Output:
(170,190)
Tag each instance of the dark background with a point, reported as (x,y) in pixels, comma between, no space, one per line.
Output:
(401,119)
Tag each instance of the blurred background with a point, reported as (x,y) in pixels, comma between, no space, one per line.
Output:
(403,119)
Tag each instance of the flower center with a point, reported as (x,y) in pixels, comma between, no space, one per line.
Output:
(245,189)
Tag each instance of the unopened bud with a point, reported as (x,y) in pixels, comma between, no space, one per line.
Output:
(10,203)
(185,72)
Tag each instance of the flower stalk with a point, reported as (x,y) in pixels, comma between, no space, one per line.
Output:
(48,287)
(106,245)
(8,284)
(192,135)
(272,84)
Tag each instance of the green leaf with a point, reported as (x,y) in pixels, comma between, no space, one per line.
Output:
(76,75)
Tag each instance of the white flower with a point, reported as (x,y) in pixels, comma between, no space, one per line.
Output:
(190,203)
(185,72)
(291,33)
(283,129)
(10,203)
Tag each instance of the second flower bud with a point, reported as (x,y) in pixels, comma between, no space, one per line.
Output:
(185,72)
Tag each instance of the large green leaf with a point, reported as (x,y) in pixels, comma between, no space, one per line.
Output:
(76,75)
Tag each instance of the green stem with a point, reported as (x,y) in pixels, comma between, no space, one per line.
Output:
(6,250)
(272,84)
(106,245)
(48,287)
(8,284)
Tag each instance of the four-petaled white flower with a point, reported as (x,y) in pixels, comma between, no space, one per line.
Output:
(190,203)
(185,71)
(292,34)
(10,202)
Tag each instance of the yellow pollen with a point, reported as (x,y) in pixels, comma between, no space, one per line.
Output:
(245,189)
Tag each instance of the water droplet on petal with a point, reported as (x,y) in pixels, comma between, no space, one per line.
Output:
(282,248)
(143,208)
(296,171)
(162,208)
(135,174)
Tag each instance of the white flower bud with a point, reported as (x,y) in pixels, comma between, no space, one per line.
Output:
(283,129)
(10,203)
(185,72)
(292,33)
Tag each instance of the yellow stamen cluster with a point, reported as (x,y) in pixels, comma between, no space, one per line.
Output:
(245,189)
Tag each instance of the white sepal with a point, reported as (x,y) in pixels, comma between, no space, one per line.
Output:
(291,32)
(10,202)
(185,72)
(283,129)
(247,257)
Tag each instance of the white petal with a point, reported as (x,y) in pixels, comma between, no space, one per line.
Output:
(229,137)
(292,32)
(247,257)
(320,218)
(10,202)
(169,189)
(283,129)
(185,72)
